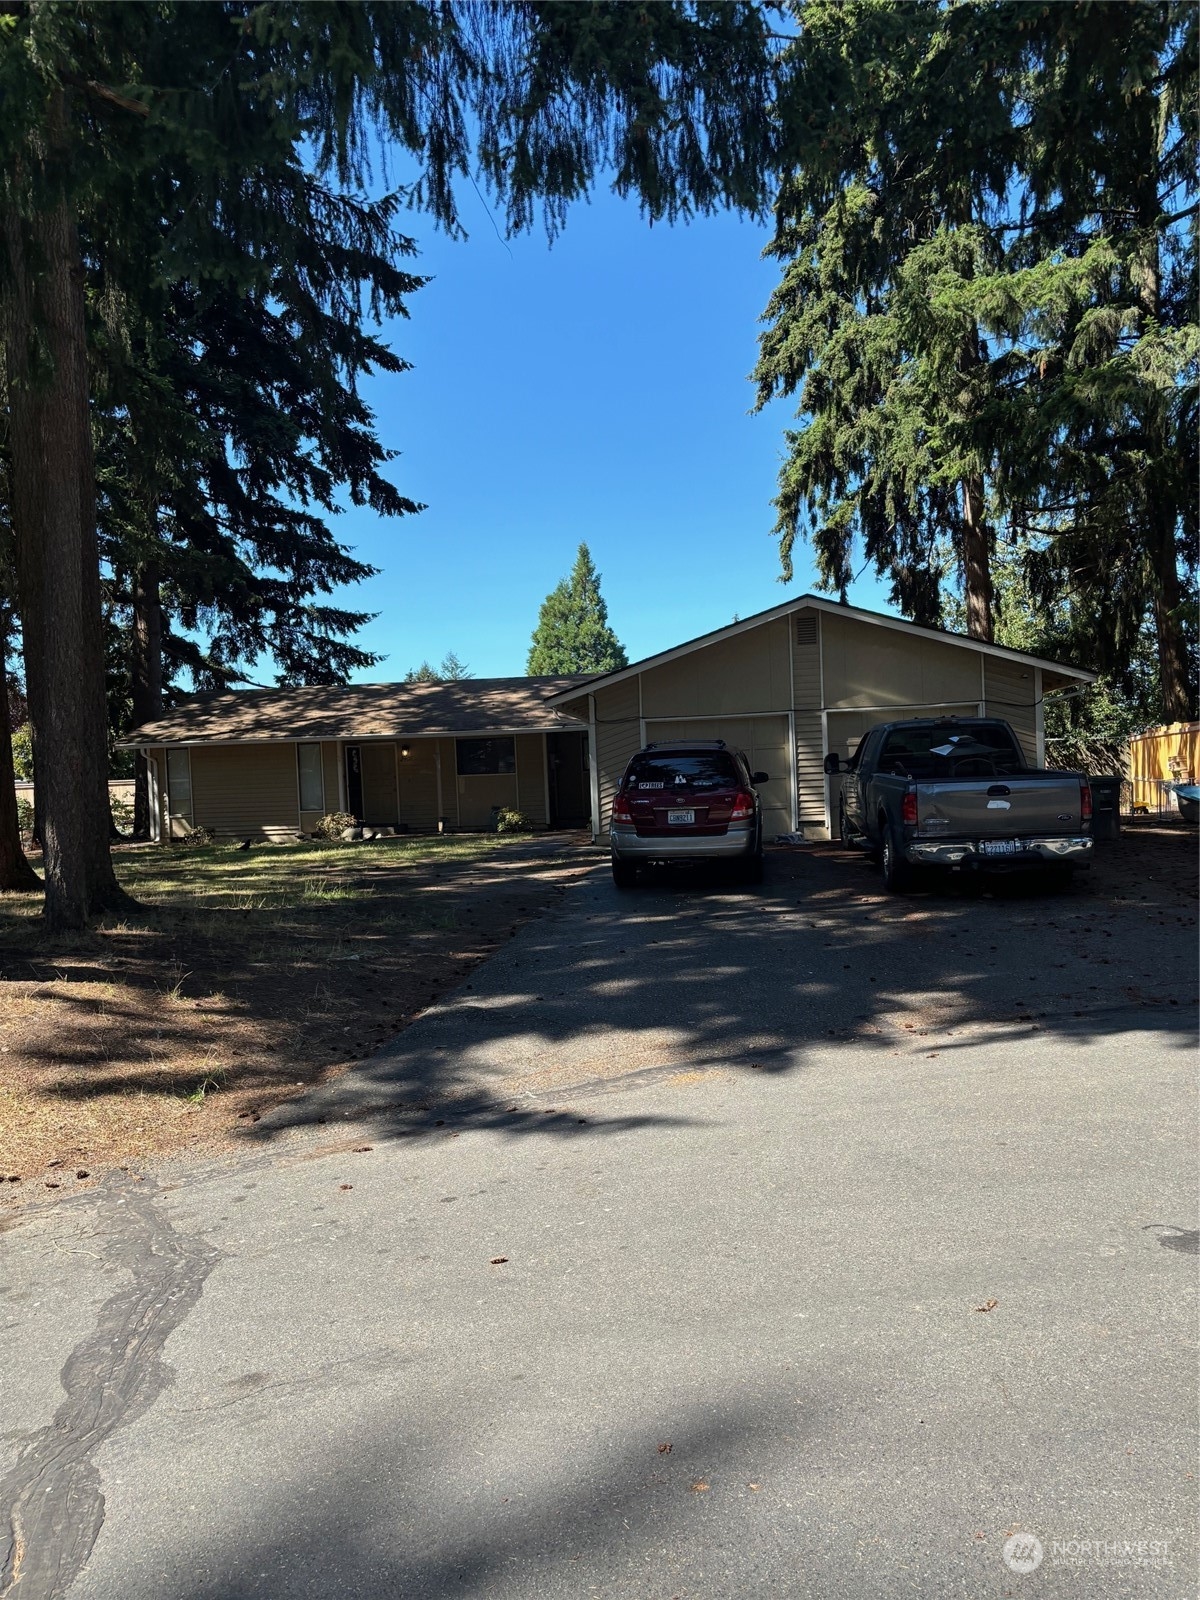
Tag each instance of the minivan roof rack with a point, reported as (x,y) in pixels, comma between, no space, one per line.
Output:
(686,744)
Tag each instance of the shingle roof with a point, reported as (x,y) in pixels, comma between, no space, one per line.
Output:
(361,711)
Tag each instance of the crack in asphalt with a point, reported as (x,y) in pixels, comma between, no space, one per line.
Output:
(51,1499)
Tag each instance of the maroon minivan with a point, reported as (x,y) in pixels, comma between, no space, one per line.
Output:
(687,801)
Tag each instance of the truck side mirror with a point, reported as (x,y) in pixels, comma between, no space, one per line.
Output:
(832,763)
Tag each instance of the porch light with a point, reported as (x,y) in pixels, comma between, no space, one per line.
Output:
(404,750)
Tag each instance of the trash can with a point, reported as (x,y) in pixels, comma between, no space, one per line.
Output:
(1106,807)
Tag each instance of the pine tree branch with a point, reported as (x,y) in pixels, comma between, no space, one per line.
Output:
(101,91)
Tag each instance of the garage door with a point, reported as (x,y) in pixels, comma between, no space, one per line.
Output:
(768,746)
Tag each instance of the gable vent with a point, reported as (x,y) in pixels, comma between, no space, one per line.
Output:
(806,628)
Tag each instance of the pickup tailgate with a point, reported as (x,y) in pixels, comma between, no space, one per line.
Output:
(1036,803)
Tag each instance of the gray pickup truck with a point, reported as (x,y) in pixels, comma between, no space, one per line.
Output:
(957,793)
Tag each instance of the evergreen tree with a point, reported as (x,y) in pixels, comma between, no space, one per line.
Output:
(898,135)
(986,309)
(572,633)
(231,423)
(452,670)
(1096,306)
(119,116)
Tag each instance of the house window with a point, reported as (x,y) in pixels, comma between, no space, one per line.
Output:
(312,780)
(479,757)
(179,785)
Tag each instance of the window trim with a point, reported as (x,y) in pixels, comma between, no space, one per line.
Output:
(487,739)
(301,808)
(188,816)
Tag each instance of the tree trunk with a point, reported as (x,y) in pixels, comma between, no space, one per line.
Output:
(15,871)
(976,551)
(1161,510)
(147,680)
(1174,682)
(54,528)
(977,560)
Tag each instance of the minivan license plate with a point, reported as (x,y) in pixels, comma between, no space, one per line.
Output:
(999,847)
(681,817)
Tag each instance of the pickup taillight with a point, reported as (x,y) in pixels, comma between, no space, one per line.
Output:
(620,810)
(743,807)
(1085,801)
(908,809)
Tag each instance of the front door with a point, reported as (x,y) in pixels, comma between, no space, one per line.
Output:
(354,785)
(566,757)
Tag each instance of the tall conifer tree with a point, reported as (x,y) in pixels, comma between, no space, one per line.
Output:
(573,633)
(119,115)
(987,306)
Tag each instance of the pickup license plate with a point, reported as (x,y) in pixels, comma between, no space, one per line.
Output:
(999,847)
(680,818)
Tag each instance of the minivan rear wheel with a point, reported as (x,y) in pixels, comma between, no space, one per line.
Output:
(624,874)
(751,870)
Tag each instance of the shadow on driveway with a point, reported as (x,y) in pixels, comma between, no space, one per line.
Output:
(688,975)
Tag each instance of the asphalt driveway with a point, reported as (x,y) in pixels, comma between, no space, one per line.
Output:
(709,1243)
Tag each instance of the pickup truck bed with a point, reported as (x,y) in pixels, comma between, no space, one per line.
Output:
(958,794)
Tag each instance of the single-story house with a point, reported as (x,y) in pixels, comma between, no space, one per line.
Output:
(426,757)
(787,685)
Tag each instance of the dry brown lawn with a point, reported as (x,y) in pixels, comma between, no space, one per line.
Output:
(249,976)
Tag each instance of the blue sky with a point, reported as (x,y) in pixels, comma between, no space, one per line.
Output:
(591,390)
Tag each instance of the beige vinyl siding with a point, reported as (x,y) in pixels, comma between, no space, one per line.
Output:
(750,672)
(618,736)
(379,783)
(477,795)
(1011,694)
(245,789)
(331,766)
(806,661)
(577,708)
(418,785)
(531,777)
(810,774)
(872,666)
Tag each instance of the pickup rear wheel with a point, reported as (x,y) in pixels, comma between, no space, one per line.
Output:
(897,875)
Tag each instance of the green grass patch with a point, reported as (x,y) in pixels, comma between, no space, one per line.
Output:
(267,896)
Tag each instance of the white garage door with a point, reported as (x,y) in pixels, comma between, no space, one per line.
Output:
(768,747)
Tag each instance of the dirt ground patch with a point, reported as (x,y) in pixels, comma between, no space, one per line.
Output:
(252,975)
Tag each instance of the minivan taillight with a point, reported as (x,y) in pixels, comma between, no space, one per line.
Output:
(1085,801)
(908,809)
(620,809)
(743,807)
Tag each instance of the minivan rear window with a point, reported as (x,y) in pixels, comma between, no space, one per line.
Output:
(702,769)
